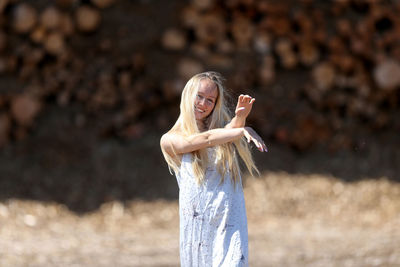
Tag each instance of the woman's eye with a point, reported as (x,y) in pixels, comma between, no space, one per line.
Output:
(209,101)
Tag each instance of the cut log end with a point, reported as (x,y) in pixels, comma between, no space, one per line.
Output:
(87,18)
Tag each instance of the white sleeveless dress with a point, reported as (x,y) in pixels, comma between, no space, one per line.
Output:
(213,222)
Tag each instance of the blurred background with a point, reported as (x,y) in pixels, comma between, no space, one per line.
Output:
(87,88)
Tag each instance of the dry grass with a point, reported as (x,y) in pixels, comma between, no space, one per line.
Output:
(321,221)
(294,220)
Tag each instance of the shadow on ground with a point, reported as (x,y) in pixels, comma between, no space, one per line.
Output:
(62,163)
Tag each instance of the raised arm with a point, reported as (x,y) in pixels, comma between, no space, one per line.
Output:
(243,108)
(177,144)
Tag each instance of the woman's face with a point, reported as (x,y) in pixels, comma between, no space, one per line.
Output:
(205,100)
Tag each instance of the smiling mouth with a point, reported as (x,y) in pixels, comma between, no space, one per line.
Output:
(200,110)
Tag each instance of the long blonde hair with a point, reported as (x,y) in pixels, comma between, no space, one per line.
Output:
(186,125)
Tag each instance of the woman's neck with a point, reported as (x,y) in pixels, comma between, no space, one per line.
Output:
(202,125)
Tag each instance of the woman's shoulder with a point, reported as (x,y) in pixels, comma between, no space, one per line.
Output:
(169,136)
(165,140)
(166,144)
(169,140)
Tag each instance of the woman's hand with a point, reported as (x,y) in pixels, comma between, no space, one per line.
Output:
(244,105)
(243,108)
(252,136)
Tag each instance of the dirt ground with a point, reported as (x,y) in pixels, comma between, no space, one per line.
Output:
(294,220)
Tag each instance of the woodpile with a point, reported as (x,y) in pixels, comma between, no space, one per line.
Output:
(103,3)
(5,128)
(24,109)
(35,49)
(24,18)
(386,74)
(349,48)
(342,71)
(87,18)
(174,39)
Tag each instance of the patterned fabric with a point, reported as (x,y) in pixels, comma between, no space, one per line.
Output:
(213,223)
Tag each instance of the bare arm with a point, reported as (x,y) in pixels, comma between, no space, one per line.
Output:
(177,144)
(236,122)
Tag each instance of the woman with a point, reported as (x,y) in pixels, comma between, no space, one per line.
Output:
(201,149)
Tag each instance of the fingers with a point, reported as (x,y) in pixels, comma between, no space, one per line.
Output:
(256,142)
(248,137)
(246,99)
(252,136)
(265,149)
(259,144)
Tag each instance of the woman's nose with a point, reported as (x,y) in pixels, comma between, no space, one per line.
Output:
(202,102)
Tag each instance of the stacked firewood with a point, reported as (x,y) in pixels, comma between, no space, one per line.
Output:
(37,51)
(348,49)
(347,53)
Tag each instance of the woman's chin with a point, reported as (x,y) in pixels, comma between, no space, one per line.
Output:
(199,116)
